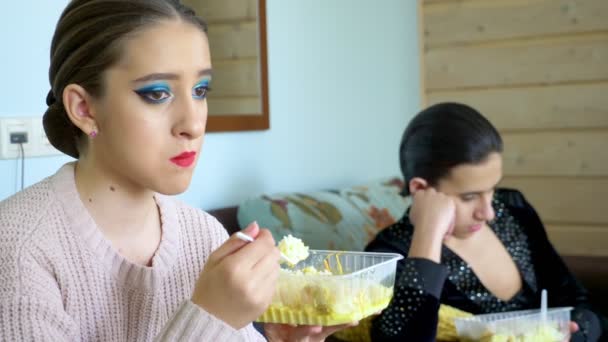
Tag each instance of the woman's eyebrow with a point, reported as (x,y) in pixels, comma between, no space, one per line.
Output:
(205,72)
(167,76)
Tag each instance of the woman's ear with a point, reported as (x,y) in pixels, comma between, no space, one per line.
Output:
(416,184)
(78,105)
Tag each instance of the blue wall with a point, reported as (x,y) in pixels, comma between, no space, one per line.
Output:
(344,81)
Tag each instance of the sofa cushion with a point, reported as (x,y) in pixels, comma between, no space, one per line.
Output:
(342,219)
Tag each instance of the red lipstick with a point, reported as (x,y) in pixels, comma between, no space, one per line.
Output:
(184,160)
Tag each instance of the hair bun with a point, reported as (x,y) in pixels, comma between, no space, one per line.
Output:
(60,131)
(50,98)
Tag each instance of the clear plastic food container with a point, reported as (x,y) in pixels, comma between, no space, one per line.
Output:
(356,285)
(520,326)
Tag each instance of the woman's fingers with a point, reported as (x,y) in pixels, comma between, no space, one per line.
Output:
(252,252)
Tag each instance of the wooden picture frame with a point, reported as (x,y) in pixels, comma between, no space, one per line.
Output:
(238,100)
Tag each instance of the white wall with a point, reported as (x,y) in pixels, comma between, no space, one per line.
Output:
(344,81)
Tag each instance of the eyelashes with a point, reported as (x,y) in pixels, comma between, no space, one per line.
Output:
(467,198)
(471,197)
(200,90)
(155,93)
(161,92)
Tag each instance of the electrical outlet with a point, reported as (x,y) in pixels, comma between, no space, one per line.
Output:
(18,137)
(24,127)
(12,126)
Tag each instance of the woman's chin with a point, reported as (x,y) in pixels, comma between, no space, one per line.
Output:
(173,188)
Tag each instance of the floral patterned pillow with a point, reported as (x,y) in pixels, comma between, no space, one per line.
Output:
(345,219)
(380,202)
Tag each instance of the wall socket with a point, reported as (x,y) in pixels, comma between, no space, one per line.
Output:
(37,144)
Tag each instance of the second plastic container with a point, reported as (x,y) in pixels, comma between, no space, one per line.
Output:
(524,325)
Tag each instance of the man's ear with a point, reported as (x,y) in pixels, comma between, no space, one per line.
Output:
(416,184)
(78,105)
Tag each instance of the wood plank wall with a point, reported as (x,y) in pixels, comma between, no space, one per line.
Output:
(538,69)
(234,54)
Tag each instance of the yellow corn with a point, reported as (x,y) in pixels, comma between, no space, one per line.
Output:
(446,329)
(340,271)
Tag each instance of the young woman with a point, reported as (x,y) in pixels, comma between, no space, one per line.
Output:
(99,251)
(469,245)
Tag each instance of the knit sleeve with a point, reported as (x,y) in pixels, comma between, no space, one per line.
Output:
(34,319)
(192,323)
(31,307)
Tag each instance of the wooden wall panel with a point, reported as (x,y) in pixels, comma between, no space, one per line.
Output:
(533,108)
(452,22)
(579,240)
(234,105)
(555,153)
(237,38)
(538,70)
(518,63)
(238,78)
(228,10)
(233,41)
(565,199)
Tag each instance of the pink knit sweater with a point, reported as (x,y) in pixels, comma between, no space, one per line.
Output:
(61,280)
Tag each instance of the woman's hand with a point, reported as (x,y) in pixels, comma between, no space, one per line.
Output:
(239,279)
(301,333)
(432,214)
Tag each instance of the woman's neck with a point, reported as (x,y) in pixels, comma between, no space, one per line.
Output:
(118,206)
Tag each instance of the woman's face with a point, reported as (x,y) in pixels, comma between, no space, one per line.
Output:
(472,188)
(152,116)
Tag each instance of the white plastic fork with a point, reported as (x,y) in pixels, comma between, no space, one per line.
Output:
(247,238)
(543,307)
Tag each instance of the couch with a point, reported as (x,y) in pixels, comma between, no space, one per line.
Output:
(348,218)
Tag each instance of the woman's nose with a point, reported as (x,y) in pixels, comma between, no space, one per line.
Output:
(192,119)
(485,212)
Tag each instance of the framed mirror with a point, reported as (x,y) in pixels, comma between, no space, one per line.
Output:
(237,37)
